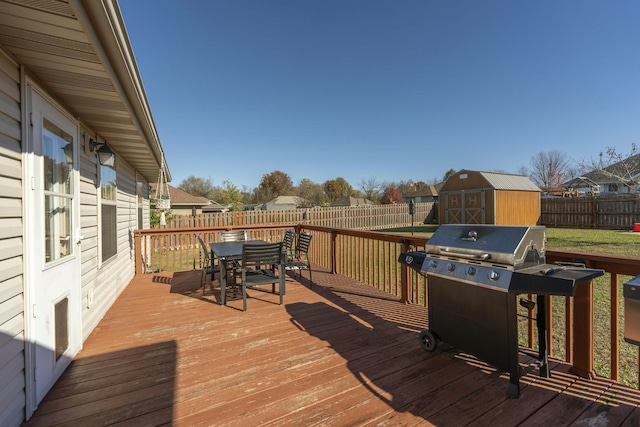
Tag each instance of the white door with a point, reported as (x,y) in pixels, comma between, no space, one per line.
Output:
(53,244)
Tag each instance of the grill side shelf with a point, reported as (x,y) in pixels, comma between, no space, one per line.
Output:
(548,279)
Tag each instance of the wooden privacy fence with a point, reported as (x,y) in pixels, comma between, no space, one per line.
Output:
(372,259)
(366,217)
(604,212)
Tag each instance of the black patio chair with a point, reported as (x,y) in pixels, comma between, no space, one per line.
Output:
(233,236)
(254,257)
(207,265)
(300,259)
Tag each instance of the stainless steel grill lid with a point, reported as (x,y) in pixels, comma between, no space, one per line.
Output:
(508,245)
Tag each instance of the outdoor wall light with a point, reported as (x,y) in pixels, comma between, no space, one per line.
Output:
(106,156)
(68,153)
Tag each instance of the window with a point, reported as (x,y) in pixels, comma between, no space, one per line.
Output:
(108,211)
(613,188)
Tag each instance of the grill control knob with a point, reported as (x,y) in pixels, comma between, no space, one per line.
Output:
(433,263)
(451,266)
(471,271)
(494,275)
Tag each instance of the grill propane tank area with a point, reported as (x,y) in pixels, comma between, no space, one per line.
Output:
(475,274)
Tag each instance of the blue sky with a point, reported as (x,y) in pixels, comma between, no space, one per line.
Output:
(391,90)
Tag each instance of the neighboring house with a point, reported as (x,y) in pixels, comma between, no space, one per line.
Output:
(214,206)
(68,79)
(425,194)
(351,201)
(621,177)
(183,203)
(282,203)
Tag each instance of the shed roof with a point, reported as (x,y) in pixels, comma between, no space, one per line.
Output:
(504,181)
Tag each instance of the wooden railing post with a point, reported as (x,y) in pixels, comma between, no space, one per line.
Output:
(583,364)
(615,328)
(333,253)
(405,296)
(137,244)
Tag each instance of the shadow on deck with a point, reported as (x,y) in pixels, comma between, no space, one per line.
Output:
(339,353)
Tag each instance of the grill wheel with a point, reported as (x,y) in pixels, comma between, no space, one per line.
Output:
(428,340)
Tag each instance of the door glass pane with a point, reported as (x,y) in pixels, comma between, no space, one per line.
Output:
(57,227)
(57,152)
(57,155)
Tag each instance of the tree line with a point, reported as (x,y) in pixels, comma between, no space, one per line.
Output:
(278,183)
(548,170)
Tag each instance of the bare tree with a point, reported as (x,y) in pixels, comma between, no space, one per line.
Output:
(549,170)
(618,167)
(371,189)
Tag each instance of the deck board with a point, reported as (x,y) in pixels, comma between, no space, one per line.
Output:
(339,353)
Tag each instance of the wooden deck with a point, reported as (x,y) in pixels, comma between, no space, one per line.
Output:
(336,354)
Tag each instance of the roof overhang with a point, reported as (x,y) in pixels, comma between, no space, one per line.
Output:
(80,52)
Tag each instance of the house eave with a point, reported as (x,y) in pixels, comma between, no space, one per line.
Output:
(79,52)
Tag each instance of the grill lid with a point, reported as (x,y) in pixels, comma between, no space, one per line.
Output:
(508,245)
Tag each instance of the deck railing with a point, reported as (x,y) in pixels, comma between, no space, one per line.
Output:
(372,258)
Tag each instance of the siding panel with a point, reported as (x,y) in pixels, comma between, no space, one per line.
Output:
(105,282)
(12,393)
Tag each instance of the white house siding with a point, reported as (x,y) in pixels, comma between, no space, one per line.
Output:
(146,203)
(102,284)
(105,282)
(12,359)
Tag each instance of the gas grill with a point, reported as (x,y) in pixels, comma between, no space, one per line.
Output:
(475,274)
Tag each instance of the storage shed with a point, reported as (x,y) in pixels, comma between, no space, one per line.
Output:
(474,197)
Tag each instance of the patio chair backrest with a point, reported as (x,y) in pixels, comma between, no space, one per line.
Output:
(262,254)
(233,236)
(288,240)
(304,241)
(207,255)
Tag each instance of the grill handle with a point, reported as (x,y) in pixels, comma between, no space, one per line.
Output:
(481,257)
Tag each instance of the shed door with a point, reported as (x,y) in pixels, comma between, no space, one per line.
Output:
(465,207)
(54,248)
